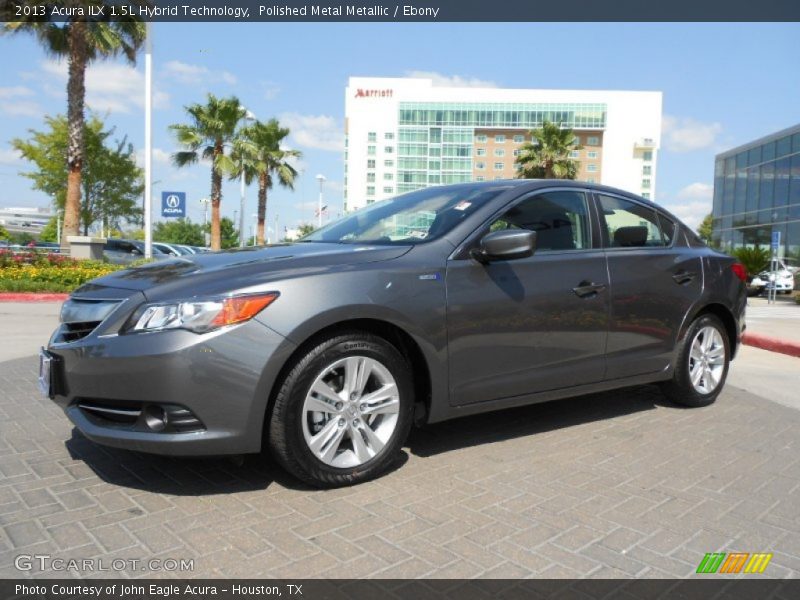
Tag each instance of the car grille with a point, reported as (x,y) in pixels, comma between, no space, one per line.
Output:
(133,416)
(80,317)
(71,332)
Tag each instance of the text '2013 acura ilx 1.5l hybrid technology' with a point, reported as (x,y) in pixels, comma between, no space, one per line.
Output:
(443,302)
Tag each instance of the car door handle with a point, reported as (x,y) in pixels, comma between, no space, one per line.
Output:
(683,277)
(587,289)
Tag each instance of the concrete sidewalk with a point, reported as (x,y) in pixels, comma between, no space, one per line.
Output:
(774,327)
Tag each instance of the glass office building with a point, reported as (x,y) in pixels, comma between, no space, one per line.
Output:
(757,191)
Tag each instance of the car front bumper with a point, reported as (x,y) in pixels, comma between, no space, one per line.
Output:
(223,379)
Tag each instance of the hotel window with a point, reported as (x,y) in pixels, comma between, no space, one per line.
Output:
(591,154)
(517,152)
(388,135)
(592,141)
(592,168)
(576,141)
(370,150)
(435,165)
(388,163)
(434,151)
(479,178)
(518,139)
(590,180)
(388,176)
(498,166)
(372,136)
(647,155)
(574,154)
(388,190)
(480,152)
(647,170)
(646,195)
(370,190)
(480,166)
(370,177)
(371,163)
(481,139)
(646,183)
(499,152)
(388,149)
(499,139)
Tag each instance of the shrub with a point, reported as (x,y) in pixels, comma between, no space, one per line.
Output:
(754,259)
(37,272)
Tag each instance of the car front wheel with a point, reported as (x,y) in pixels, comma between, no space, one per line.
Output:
(343,411)
(702,364)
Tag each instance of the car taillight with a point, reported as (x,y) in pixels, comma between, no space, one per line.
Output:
(739,271)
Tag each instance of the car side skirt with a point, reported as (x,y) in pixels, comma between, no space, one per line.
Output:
(443,413)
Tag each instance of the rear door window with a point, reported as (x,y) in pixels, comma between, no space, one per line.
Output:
(631,225)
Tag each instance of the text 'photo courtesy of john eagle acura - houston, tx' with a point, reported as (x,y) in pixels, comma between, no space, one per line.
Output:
(443,302)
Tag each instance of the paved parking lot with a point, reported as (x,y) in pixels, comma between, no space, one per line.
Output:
(619,484)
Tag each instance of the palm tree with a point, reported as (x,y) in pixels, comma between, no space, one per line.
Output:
(547,155)
(258,152)
(82,40)
(210,136)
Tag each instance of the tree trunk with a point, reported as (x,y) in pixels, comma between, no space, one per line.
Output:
(216,200)
(76,92)
(262,208)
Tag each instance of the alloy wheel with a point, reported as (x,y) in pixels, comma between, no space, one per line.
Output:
(707,360)
(350,411)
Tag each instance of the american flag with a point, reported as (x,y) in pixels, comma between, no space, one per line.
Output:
(323,211)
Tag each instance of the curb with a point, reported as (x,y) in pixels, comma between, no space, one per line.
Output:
(32,297)
(772,344)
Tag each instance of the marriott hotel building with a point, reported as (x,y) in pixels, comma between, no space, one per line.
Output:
(405,134)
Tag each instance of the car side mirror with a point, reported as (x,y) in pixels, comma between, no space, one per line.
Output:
(508,244)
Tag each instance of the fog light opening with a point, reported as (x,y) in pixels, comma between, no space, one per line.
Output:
(155,417)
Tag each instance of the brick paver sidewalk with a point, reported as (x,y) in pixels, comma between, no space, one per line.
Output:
(612,485)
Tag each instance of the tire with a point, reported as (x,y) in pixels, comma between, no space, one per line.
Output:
(329,418)
(680,389)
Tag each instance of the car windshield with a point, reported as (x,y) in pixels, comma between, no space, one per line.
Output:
(409,219)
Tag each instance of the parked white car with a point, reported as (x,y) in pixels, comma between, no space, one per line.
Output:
(782,278)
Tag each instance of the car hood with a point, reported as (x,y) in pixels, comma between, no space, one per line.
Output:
(219,272)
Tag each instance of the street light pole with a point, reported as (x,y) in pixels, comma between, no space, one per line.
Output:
(248,116)
(321,179)
(148,141)
(205,202)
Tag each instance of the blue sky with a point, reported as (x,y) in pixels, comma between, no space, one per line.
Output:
(723,85)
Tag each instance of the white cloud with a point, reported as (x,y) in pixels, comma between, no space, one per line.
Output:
(16,102)
(14,92)
(691,213)
(271,90)
(160,157)
(684,134)
(451,80)
(112,87)
(21,108)
(696,191)
(10,157)
(314,131)
(196,74)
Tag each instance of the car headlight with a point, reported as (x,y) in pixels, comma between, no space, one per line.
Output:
(200,315)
